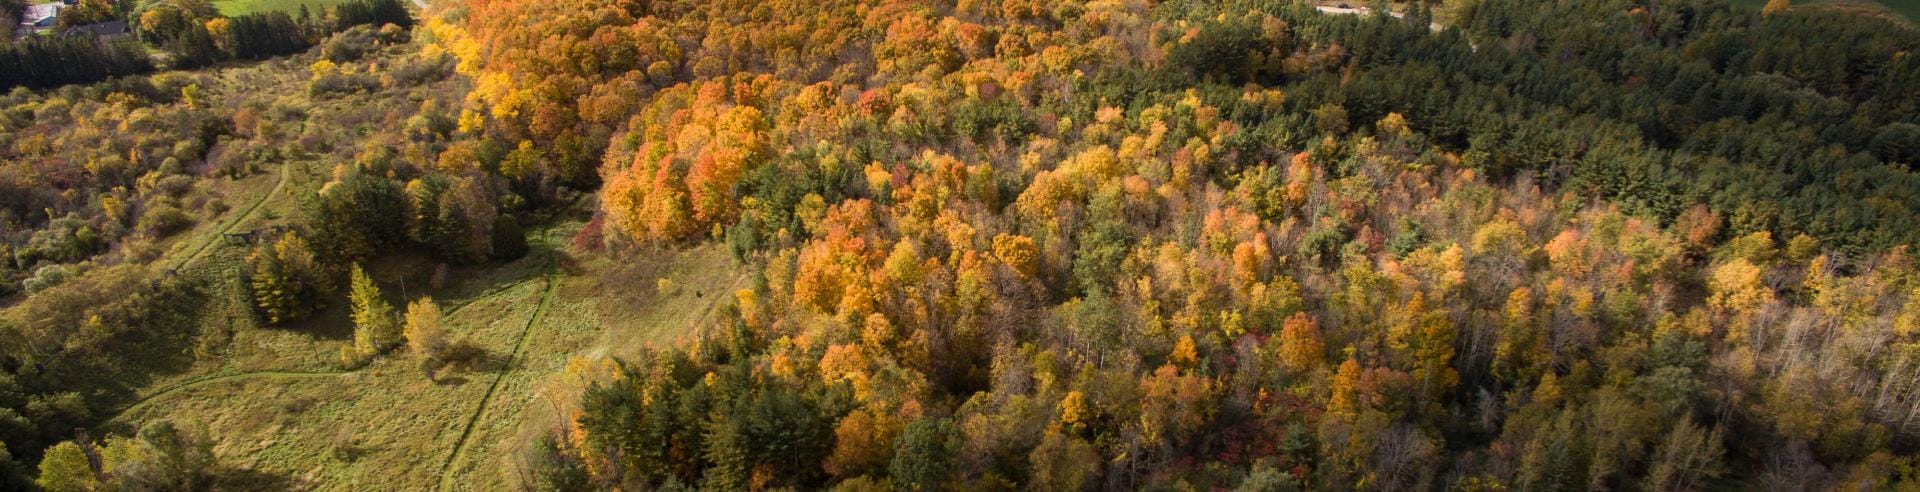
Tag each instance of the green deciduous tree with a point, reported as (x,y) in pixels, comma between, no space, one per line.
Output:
(160,457)
(64,468)
(925,455)
(1064,463)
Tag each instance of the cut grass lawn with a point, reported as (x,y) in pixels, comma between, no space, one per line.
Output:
(233,8)
(640,311)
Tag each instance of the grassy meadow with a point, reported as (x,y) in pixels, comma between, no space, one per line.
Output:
(243,7)
(276,402)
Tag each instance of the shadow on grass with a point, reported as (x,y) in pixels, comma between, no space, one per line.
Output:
(411,274)
(110,372)
(231,478)
(332,324)
(461,359)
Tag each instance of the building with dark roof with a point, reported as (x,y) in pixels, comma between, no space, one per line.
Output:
(106,31)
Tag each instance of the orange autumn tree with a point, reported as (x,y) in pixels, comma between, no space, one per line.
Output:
(696,143)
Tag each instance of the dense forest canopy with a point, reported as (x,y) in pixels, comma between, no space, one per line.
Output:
(1123,244)
(1109,244)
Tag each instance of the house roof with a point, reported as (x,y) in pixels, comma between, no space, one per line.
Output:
(40,12)
(100,29)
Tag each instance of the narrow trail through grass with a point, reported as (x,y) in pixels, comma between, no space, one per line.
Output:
(285,170)
(546,299)
(215,378)
(229,377)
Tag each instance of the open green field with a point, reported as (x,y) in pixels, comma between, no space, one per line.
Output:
(1906,9)
(243,7)
(278,406)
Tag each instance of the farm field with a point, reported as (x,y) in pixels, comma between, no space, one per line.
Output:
(292,7)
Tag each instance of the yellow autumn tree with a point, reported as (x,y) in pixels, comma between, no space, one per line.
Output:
(1074,412)
(425,336)
(1738,287)
(1017,252)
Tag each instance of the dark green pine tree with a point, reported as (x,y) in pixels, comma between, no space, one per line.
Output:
(923,457)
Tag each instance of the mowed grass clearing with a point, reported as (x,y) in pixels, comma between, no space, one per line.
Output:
(381,427)
(660,303)
(278,405)
(387,426)
(595,316)
(232,8)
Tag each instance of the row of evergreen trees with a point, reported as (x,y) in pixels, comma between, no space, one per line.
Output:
(266,35)
(1797,122)
(269,34)
(56,61)
(371,13)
